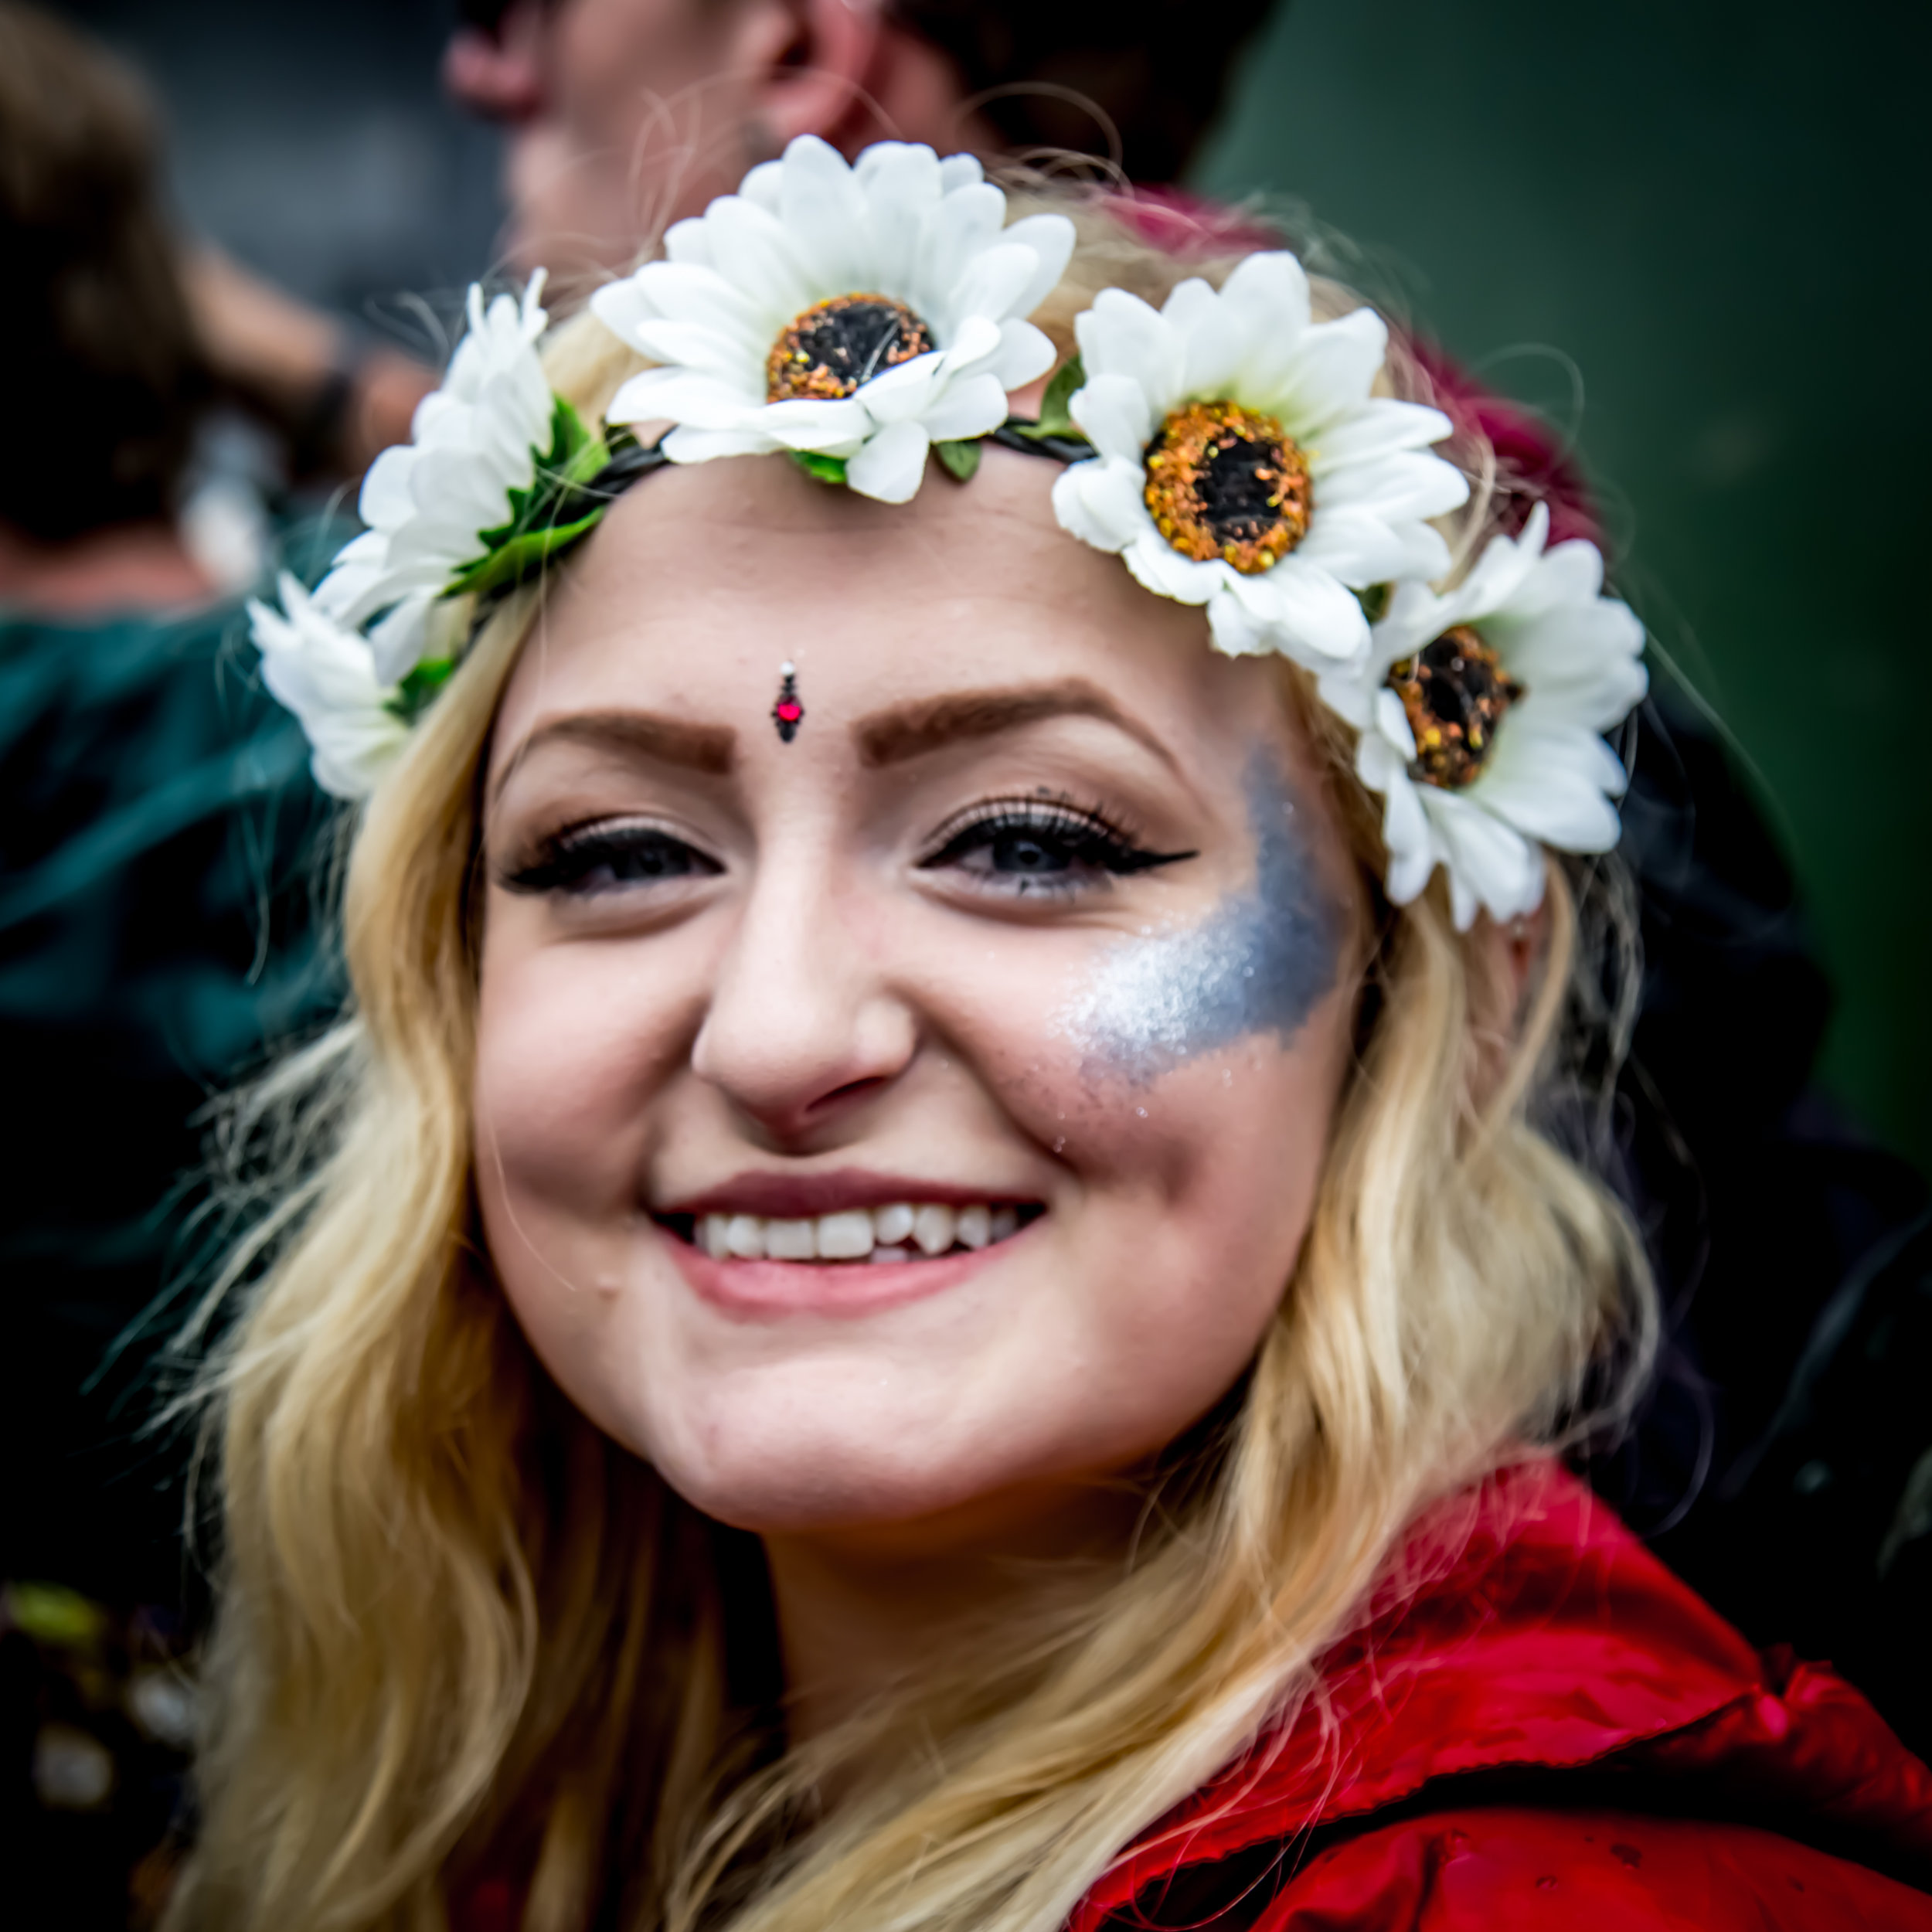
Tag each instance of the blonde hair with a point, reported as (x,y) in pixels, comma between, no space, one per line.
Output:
(459,1625)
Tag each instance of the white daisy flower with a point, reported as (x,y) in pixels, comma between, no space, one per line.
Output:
(857,313)
(475,445)
(328,677)
(1243,465)
(1481,712)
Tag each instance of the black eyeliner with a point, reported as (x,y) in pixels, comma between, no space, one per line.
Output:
(1091,839)
(565,859)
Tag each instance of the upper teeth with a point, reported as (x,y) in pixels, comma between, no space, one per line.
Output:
(853,1234)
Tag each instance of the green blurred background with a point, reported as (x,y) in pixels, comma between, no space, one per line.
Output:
(1695,235)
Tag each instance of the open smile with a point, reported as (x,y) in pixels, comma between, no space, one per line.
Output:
(898,1231)
(840,1240)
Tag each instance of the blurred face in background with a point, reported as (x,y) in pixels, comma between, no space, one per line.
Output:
(621,115)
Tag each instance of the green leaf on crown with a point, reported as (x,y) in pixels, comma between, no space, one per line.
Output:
(1053,420)
(961,457)
(547,516)
(417,692)
(827,469)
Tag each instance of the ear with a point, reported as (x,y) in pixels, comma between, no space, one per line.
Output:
(1506,954)
(814,61)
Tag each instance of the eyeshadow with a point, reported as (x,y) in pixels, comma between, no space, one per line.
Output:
(1258,963)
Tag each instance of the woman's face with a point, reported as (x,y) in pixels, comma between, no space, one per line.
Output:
(914,1122)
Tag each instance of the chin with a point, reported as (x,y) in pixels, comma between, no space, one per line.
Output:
(838,1467)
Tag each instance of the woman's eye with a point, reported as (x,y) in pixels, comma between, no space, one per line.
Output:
(1037,847)
(599,859)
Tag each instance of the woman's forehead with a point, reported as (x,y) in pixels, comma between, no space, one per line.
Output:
(703,578)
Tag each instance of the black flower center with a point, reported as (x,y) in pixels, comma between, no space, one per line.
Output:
(1225,481)
(835,345)
(1455,693)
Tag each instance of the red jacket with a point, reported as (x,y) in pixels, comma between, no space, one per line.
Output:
(1557,1733)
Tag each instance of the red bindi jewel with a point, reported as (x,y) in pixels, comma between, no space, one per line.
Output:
(787,713)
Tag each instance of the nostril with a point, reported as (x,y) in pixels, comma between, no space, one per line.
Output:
(851,1090)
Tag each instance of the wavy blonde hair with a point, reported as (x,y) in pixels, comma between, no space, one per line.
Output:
(459,1628)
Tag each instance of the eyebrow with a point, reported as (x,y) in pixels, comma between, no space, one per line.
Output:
(912,730)
(633,734)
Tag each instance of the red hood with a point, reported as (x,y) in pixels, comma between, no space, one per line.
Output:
(1553,1640)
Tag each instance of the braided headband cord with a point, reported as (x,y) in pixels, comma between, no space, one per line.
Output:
(631,460)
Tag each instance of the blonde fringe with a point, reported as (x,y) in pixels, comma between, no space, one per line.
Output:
(458,1625)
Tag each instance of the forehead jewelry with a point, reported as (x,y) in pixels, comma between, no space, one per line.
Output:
(787,713)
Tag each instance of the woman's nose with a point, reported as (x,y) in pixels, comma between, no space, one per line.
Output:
(801,1024)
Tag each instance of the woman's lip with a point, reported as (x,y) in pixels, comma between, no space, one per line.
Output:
(765,1290)
(802,1197)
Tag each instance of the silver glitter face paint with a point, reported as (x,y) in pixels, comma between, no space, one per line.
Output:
(1258,962)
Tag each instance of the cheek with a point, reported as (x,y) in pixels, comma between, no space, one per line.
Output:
(571,1041)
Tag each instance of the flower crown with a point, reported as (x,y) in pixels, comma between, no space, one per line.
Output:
(1229,447)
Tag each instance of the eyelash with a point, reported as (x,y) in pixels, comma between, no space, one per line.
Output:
(1081,837)
(1087,841)
(568,861)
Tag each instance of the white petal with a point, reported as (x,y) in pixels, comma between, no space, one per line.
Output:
(678,395)
(1378,427)
(992,285)
(1266,296)
(823,213)
(1024,355)
(899,393)
(689,240)
(967,220)
(1113,411)
(804,423)
(763,187)
(1318,621)
(718,353)
(682,292)
(1355,546)
(396,643)
(1406,483)
(901,186)
(1326,373)
(686,444)
(1050,238)
(1210,339)
(749,248)
(1490,863)
(1392,720)
(1121,335)
(1234,633)
(1083,508)
(1409,869)
(1158,566)
(891,463)
(386,499)
(976,406)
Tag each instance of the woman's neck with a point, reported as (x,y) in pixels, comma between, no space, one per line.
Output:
(128,566)
(861,1613)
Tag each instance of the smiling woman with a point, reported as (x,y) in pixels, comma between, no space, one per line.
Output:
(957,1319)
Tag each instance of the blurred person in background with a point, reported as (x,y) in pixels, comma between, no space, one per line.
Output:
(623,116)
(151,802)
